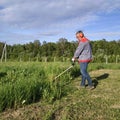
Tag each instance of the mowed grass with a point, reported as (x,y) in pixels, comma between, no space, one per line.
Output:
(63,100)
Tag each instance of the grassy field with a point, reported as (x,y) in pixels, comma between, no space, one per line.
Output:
(27,92)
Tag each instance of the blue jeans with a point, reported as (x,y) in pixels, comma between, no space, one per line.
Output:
(85,75)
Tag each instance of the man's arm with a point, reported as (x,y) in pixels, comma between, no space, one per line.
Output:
(78,50)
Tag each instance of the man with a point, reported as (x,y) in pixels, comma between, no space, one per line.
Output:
(84,55)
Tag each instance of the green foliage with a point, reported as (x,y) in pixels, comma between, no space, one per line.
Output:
(25,83)
(62,51)
(28,83)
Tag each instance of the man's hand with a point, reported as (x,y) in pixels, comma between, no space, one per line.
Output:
(73,61)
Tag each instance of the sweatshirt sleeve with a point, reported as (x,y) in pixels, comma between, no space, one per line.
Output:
(79,50)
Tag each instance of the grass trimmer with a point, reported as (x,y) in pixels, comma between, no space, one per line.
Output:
(64,71)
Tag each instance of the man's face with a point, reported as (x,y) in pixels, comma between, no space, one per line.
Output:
(79,36)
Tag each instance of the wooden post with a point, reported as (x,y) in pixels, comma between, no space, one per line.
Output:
(20,59)
(106,59)
(54,59)
(45,59)
(4,52)
(117,57)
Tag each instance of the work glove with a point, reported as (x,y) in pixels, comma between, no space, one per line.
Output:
(73,61)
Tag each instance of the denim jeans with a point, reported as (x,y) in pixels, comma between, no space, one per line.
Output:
(85,74)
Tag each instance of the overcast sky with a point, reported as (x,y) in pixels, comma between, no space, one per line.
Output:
(22,21)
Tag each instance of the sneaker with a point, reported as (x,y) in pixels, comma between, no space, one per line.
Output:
(91,87)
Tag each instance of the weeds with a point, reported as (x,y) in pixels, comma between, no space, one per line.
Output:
(28,84)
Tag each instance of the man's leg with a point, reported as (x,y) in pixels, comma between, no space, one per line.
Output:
(85,73)
(83,77)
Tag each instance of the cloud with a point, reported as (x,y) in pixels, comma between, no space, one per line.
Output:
(38,13)
(50,15)
(14,38)
(50,33)
(105,34)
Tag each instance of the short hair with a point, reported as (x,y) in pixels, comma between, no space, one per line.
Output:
(80,31)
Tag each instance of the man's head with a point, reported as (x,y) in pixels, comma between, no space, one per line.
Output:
(79,35)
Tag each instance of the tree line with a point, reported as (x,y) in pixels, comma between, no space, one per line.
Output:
(62,50)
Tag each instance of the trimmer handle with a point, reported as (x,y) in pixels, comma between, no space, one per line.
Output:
(73,63)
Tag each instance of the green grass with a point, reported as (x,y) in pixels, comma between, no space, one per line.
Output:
(60,100)
(29,83)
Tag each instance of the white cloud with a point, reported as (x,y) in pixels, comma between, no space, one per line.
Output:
(30,14)
(105,34)
(51,14)
(50,33)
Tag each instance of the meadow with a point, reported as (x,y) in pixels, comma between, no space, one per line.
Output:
(28,91)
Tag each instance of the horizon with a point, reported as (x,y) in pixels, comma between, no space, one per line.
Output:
(56,41)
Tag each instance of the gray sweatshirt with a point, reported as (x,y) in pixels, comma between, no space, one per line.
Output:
(84,51)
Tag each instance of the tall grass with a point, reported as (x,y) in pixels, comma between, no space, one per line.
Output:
(25,83)
(22,84)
